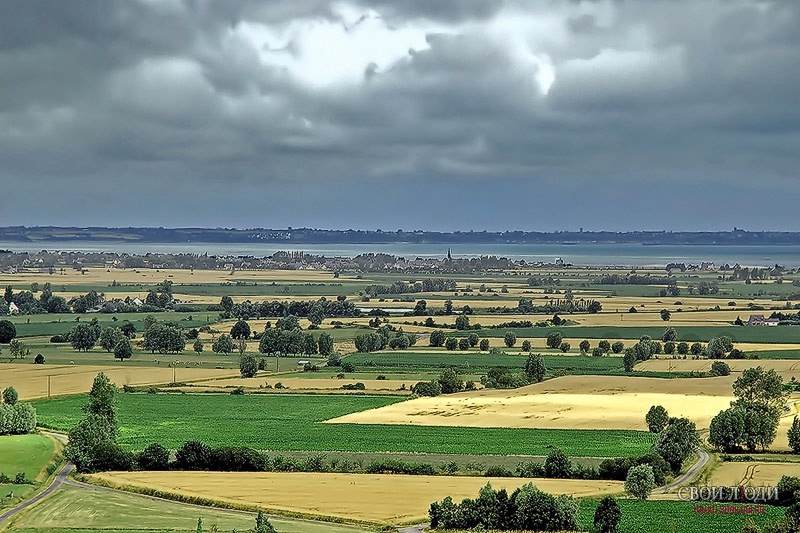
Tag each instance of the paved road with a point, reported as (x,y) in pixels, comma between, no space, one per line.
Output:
(688,475)
(59,480)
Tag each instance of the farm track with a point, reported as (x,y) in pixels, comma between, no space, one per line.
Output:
(56,484)
(686,477)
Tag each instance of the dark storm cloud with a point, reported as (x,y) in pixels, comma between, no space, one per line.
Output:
(332,114)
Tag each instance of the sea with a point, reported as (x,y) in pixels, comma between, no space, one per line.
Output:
(582,254)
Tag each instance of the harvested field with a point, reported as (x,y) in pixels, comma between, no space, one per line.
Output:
(787,368)
(570,402)
(31,380)
(752,474)
(377,498)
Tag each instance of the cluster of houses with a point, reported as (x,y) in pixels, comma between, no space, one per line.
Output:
(761,320)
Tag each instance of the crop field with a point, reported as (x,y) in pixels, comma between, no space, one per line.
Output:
(786,368)
(31,381)
(675,517)
(375,498)
(752,473)
(292,422)
(28,454)
(761,335)
(474,361)
(48,325)
(570,402)
(73,510)
(303,383)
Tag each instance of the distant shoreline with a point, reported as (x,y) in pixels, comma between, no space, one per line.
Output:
(295,236)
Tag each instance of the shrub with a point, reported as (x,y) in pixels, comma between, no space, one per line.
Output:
(484,345)
(238,391)
(531,469)
(57,339)
(194,455)
(154,457)
(237,459)
(17,418)
(564,346)
(347,366)
(788,490)
(248,366)
(353,386)
(719,368)
(395,466)
(427,388)
(498,471)
(10,396)
(112,456)
(617,347)
(39,359)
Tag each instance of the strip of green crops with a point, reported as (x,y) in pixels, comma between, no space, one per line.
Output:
(479,361)
(780,334)
(292,422)
(676,517)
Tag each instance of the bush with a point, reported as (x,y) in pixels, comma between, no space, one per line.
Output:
(20,479)
(39,359)
(788,490)
(616,468)
(395,466)
(10,396)
(17,419)
(617,347)
(194,455)
(607,516)
(347,366)
(530,469)
(238,391)
(427,388)
(57,339)
(111,456)
(353,386)
(719,368)
(498,471)
(484,345)
(237,459)
(154,457)
(248,366)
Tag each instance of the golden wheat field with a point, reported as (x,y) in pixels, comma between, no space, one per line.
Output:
(393,499)
(787,368)
(31,380)
(752,474)
(570,402)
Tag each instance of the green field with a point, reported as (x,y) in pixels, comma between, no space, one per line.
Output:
(25,453)
(48,325)
(74,510)
(675,517)
(780,334)
(291,422)
(473,362)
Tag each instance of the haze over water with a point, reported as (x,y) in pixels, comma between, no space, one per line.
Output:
(578,254)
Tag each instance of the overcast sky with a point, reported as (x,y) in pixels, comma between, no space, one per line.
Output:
(413,114)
